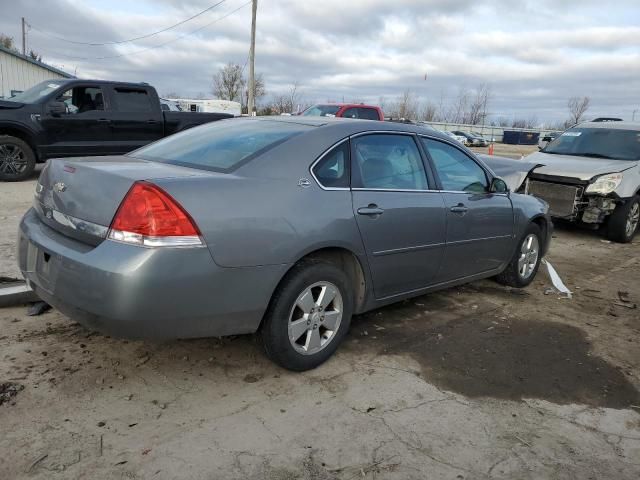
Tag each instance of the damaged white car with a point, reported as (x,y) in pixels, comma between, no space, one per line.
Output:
(591,174)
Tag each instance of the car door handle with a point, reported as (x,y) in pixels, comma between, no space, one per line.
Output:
(370,210)
(104,120)
(153,122)
(460,208)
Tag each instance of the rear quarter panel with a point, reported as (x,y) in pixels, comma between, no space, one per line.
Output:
(248,221)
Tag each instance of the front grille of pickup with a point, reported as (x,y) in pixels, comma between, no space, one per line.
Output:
(562,199)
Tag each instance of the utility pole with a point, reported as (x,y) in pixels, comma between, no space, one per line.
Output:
(252,57)
(24,37)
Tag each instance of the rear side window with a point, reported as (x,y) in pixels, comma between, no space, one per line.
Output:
(350,113)
(368,114)
(220,146)
(132,100)
(388,162)
(332,171)
(457,171)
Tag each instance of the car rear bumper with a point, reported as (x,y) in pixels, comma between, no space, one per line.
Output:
(136,292)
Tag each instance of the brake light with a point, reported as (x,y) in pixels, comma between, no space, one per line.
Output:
(150,217)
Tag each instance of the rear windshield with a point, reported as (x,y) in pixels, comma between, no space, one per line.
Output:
(610,143)
(220,146)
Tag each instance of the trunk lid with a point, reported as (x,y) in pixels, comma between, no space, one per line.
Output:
(79,197)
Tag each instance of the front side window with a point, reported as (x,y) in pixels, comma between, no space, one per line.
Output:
(388,161)
(220,146)
(82,99)
(332,171)
(457,171)
(132,100)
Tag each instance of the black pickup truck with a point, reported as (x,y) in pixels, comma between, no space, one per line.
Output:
(66,118)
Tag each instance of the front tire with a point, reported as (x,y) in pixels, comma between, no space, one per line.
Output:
(623,222)
(17,160)
(525,263)
(308,316)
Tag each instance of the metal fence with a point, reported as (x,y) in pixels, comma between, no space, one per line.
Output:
(489,132)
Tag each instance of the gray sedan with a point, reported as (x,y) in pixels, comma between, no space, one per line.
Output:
(286,227)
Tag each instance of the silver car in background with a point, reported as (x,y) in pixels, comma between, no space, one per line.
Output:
(283,226)
(591,174)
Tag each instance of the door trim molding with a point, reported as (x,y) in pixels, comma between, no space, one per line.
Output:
(393,251)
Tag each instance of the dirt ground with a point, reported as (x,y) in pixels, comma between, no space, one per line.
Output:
(474,382)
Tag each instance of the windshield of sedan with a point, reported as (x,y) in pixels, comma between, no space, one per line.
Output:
(321,110)
(36,92)
(220,146)
(610,143)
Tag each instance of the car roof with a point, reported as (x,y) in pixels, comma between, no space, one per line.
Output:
(610,125)
(351,126)
(341,104)
(104,82)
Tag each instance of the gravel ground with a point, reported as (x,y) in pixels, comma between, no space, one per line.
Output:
(474,382)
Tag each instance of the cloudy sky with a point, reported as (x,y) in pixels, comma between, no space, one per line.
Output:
(533,54)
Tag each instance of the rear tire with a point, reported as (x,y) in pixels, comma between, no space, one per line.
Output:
(525,262)
(305,322)
(622,225)
(17,160)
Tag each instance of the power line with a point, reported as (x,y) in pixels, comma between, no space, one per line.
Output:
(161,44)
(117,42)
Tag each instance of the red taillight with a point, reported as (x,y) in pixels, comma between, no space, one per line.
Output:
(150,216)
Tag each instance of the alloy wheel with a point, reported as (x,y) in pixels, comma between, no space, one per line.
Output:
(529,251)
(633,219)
(315,318)
(12,159)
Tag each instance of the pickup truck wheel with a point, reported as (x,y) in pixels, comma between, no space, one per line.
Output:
(525,263)
(309,316)
(17,160)
(623,222)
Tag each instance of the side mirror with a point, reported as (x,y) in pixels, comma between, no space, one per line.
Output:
(498,185)
(57,108)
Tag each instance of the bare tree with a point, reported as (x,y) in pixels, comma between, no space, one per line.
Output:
(288,102)
(228,82)
(294,97)
(405,106)
(477,110)
(35,55)
(577,108)
(259,91)
(429,112)
(457,111)
(7,42)
(171,94)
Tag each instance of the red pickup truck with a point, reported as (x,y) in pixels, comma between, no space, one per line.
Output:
(346,110)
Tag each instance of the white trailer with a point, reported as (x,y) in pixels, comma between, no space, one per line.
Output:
(208,106)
